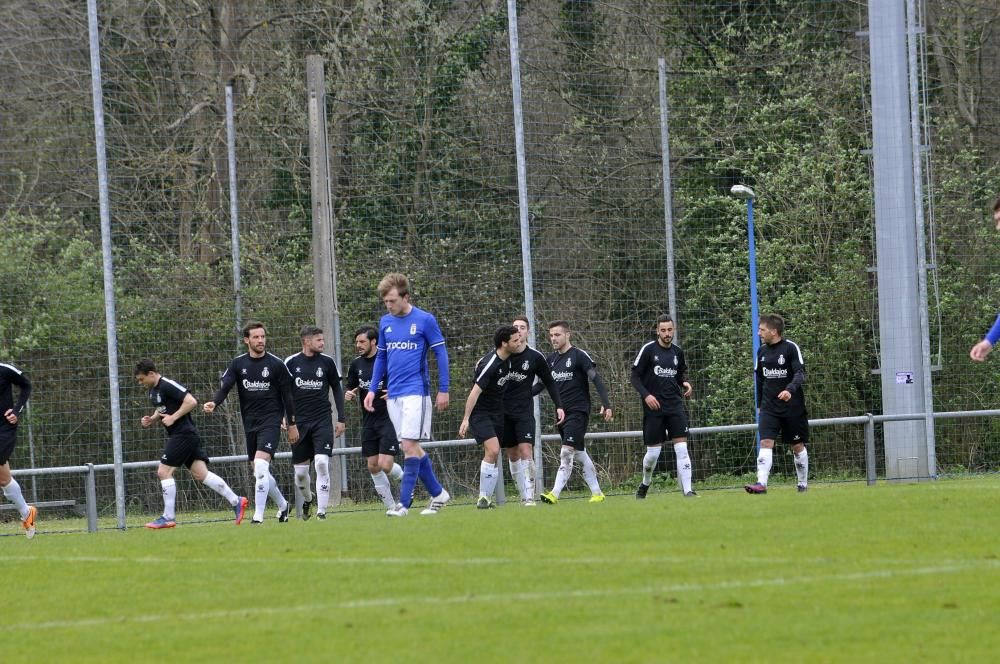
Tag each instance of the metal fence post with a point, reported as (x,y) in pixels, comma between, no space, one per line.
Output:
(870,448)
(91,491)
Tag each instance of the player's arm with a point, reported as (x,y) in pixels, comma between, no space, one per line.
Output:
(333,379)
(225,384)
(286,392)
(444,379)
(682,377)
(602,393)
(378,373)
(470,403)
(18,378)
(982,349)
(187,405)
(798,373)
(544,373)
(352,383)
(758,378)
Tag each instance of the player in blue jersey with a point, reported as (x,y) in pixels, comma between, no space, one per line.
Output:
(314,377)
(982,349)
(405,335)
(10,414)
(264,387)
(173,403)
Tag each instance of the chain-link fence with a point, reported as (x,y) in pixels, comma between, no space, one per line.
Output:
(423,179)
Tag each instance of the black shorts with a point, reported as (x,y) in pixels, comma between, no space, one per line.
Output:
(183,449)
(378,436)
(659,426)
(264,439)
(794,429)
(314,438)
(484,426)
(518,429)
(574,428)
(8,436)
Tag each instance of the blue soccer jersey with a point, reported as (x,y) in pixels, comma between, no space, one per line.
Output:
(403,342)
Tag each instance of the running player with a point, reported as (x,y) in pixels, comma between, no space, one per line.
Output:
(659,375)
(314,376)
(9,376)
(265,391)
(379,445)
(173,403)
(405,335)
(780,373)
(573,369)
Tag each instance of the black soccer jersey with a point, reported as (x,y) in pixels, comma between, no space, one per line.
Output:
(780,367)
(492,374)
(359,375)
(312,379)
(167,397)
(661,372)
(524,366)
(10,376)
(571,371)
(264,387)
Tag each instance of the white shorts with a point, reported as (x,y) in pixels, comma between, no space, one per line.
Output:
(411,416)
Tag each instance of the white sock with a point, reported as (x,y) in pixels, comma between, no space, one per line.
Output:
(302,481)
(396,473)
(322,482)
(802,467)
(764,460)
(487,478)
(589,471)
(262,482)
(13,493)
(218,485)
(649,464)
(565,470)
(517,472)
(275,493)
(169,497)
(529,478)
(683,466)
(382,488)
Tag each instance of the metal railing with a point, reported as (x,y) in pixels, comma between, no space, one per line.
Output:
(868,420)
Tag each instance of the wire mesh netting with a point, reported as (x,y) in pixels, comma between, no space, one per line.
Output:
(775,95)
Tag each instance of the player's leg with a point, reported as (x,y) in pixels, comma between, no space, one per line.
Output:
(168,487)
(797,433)
(200,472)
(527,454)
(677,429)
(12,490)
(653,435)
(589,475)
(370,450)
(768,428)
(488,468)
(411,455)
(311,443)
(267,444)
(322,462)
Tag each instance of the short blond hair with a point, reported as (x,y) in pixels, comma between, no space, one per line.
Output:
(394,280)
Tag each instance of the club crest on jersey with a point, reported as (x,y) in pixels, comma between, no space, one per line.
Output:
(569,363)
(413,328)
(265,373)
(675,360)
(159,399)
(319,373)
(781,359)
(526,365)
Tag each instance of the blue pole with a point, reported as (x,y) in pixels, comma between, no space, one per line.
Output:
(754,312)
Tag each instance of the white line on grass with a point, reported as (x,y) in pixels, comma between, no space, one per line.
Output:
(495,598)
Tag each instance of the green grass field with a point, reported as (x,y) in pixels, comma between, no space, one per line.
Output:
(897,573)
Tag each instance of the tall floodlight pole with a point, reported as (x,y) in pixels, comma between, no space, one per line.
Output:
(745,193)
(110,318)
(523,214)
(668,207)
(234,213)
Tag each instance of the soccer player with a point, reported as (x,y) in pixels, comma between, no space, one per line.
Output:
(405,335)
(572,368)
(484,409)
(518,411)
(982,349)
(9,376)
(173,404)
(780,373)
(314,376)
(379,444)
(659,375)
(265,391)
